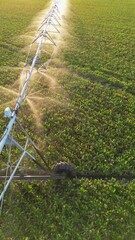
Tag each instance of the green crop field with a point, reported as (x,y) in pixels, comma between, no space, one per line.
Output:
(89,122)
(15,16)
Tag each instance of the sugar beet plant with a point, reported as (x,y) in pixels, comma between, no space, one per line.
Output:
(94,130)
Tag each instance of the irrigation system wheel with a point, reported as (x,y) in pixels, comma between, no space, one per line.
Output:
(66,169)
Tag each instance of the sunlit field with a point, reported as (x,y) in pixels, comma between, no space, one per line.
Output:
(84,115)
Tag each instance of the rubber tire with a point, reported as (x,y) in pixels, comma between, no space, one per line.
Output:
(66,169)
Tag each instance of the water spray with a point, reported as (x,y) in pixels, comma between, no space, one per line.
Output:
(44,37)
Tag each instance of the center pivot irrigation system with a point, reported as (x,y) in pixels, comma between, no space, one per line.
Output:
(52,20)
(62,169)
